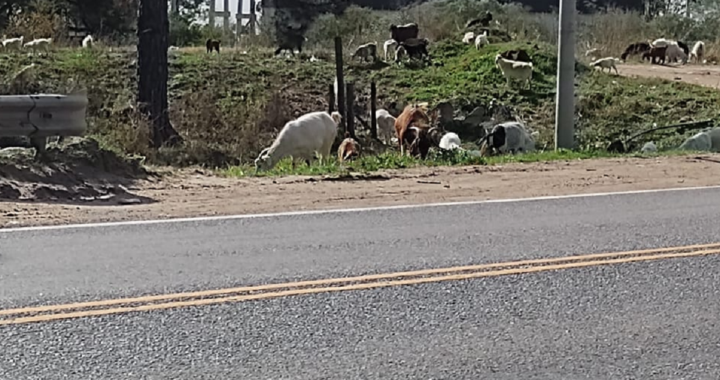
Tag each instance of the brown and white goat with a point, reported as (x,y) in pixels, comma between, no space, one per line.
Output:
(417,118)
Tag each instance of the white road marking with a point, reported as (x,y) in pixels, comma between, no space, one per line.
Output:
(344,210)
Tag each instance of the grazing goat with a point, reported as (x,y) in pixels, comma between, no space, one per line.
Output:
(483,21)
(389,45)
(468,37)
(301,138)
(673,52)
(511,137)
(655,52)
(411,116)
(88,42)
(414,48)
(11,44)
(481,40)
(211,45)
(348,149)
(39,44)
(450,141)
(515,70)
(698,51)
(708,141)
(636,48)
(606,63)
(519,55)
(418,141)
(684,47)
(385,125)
(290,42)
(365,51)
(402,33)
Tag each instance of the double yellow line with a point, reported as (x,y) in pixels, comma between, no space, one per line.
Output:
(249,293)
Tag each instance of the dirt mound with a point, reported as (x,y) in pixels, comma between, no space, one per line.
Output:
(79,171)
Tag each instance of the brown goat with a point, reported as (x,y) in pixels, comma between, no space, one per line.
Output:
(412,116)
(655,52)
(348,149)
(211,45)
(401,33)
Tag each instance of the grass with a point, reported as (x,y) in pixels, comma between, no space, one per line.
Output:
(229,107)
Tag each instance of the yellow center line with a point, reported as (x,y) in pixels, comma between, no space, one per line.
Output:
(361,286)
(334,281)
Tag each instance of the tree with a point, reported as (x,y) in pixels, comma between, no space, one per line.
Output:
(153,29)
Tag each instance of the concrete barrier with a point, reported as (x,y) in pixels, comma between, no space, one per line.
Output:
(43,115)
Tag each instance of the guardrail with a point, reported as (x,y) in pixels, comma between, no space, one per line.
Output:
(41,116)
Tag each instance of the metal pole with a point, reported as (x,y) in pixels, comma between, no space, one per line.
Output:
(373,110)
(565,97)
(340,98)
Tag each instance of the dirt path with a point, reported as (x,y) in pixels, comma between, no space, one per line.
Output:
(197,194)
(703,75)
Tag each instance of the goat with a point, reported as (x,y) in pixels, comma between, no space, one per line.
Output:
(684,47)
(401,33)
(636,48)
(365,51)
(385,125)
(519,55)
(290,42)
(606,63)
(708,141)
(698,51)
(348,149)
(417,140)
(481,40)
(39,44)
(10,44)
(411,116)
(415,48)
(88,42)
(655,52)
(673,51)
(660,42)
(510,137)
(483,21)
(301,138)
(388,46)
(515,70)
(450,141)
(468,37)
(593,53)
(211,45)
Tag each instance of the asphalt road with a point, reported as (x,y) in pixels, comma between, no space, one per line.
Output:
(646,320)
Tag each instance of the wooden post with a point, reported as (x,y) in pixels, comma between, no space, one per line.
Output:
(331,99)
(373,110)
(340,80)
(350,110)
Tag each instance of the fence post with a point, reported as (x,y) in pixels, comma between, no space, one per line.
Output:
(331,99)
(373,110)
(350,109)
(340,80)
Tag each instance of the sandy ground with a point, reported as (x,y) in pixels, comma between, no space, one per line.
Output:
(196,193)
(703,75)
(193,193)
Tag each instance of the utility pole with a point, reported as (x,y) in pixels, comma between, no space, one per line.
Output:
(565,96)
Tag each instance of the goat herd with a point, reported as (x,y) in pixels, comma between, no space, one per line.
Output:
(659,51)
(17,44)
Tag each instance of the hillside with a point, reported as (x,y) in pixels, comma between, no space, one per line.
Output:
(229,106)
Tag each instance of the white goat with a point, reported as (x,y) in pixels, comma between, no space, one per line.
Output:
(674,52)
(365,51)
(301,138)
(450,141)
(514,69)
(11,44)
(39,44)
(698,51)
(468,37)
(389,46)
(481,40)
(703,141)
(660,42)
(385,125)
(512,137)
(88,42)
(606,63)
(400,52)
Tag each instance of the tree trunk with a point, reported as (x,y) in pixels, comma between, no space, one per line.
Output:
(153,30)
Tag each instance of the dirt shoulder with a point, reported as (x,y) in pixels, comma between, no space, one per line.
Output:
(193,193)
(703,75)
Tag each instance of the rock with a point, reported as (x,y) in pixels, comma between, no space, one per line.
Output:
(17,153)
(649,147)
